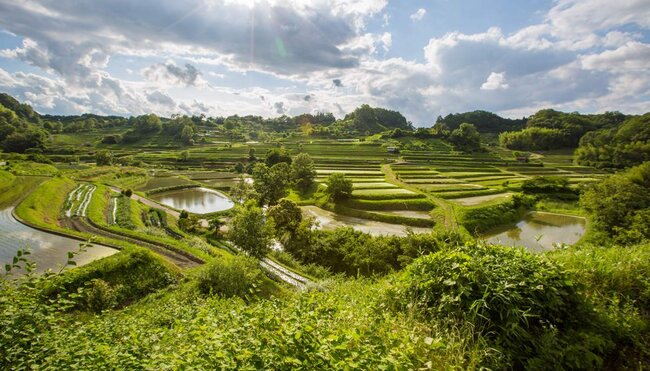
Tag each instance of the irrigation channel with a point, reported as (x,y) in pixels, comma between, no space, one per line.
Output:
(540,231)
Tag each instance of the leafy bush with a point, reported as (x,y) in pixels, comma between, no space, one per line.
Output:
(338,187)
(546,184)
(523,303)
(100,296)
(130,275)
(616,279)
(480,219)
(620,205)
(237,276)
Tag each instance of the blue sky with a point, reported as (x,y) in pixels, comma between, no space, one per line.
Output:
(273,57)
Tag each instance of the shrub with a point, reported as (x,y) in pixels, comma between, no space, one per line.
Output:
(130,274)
(338,187)
(527,306)
(100,296)
(480,219)
(546,184)
(238,276)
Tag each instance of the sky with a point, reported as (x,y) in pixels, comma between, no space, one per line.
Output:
(277,57)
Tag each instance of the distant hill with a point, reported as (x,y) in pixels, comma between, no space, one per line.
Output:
(551,129)
(22,110)
(484,121)
(366,119)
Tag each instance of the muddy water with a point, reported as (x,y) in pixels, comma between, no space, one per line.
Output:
(195,200)
(48,250)
(539,231)
(330,221)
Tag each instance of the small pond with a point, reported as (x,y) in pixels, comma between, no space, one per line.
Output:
(48,250)
(539,231)
(195,200)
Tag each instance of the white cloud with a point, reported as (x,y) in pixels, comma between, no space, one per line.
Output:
(319,56)
(495,81)
(418,15)
(631,56)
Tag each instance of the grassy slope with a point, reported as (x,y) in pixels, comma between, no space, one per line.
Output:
(97,210)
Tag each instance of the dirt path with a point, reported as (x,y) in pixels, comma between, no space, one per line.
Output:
(447,211)
(82,225)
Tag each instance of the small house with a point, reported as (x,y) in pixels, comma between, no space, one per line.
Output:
(392,149)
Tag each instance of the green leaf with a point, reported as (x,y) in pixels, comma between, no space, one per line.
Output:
(7,267)
(70,254)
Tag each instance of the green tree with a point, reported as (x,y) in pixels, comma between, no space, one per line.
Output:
(103,158)
(276,156)
(466,138)
(617,202)
(21,141)
(185,155)
(187,134)
(302,171)
(249,230)
(271,183)
(338,187)
(147,123)
(242,190)
(286,216)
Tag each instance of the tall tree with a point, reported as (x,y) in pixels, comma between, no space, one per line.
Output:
(466,138)
(338,187)
(302,171)
(271,183)
(249,230)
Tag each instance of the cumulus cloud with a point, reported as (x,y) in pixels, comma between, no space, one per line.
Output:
(172,74)
(320,56)
(495,81)
(271,35)
(418,15)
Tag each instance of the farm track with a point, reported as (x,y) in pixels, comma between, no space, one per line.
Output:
(83,225)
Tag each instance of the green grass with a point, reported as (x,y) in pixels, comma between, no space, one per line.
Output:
(418,204)
(381,192)
(167,182)
(44,205)
(13,189)
(31,168)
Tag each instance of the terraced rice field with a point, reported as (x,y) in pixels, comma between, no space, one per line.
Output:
(159,182)
(472,179)
(78,200)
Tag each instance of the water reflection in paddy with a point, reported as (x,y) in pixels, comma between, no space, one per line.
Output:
(195,200)
(330,221)
(539,231)
(48,250)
